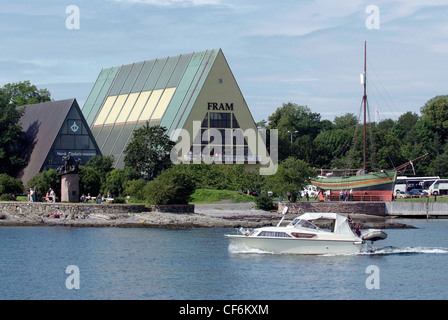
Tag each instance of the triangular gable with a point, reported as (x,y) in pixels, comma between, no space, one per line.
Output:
(43,124)
(218,95)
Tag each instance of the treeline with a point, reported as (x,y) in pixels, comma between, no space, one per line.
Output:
(339,143)
(306,143)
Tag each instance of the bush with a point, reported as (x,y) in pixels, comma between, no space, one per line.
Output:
(264,202)
(44,181)
(119,200)
(7,197)
(10,185)
(210,195)
(135,188)
(173,186)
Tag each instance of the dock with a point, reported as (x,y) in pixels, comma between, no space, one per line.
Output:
(411,209)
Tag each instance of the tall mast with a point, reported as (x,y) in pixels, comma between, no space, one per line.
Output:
(365,104)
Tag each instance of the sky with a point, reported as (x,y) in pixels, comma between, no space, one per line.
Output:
(309,52)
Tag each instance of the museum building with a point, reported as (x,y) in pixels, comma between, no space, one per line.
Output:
(52,130)
(194,93)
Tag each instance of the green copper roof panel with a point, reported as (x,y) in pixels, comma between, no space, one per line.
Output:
(100,137)
(143,76)
(114,132)
(122,141)
(181,66)
(194,78)
(180,96)
(155,74)
(98,100)
(93,96)
(120,80)
(167,72)
(132,77)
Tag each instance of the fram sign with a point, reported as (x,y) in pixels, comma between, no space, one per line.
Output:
(220,106)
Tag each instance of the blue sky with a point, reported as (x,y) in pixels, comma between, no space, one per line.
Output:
(306,52)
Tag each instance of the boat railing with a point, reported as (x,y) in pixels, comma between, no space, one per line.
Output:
(338,172)
(358,197)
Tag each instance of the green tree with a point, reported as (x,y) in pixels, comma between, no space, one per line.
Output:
(292,176)
(23,93)
(89,181)
(436,111)
(135,188)
(149,151)
(173,186)
(44,181)
(10,185)
(11,135)
(297,127)
(12,143)
(439,166)
(102,165)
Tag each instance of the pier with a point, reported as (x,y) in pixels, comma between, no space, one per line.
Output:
(381,208)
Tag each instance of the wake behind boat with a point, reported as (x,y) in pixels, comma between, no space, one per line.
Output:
(302,236)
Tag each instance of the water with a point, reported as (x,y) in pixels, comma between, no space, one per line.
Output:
(197,264)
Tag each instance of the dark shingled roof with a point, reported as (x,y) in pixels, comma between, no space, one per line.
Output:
(41,124)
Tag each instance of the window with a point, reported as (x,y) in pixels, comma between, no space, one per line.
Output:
(235,122)
(303,224)
(275,234)
(220,120)
(205,121)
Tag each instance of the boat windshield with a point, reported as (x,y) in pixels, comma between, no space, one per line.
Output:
(300,223)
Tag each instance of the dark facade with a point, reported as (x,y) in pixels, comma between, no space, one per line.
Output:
(53,129)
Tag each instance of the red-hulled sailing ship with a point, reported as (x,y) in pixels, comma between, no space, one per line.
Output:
(358,184)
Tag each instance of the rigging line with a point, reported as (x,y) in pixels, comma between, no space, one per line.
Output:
(373,158)
(393,105)
(355,135)
(373,86)
(377,106)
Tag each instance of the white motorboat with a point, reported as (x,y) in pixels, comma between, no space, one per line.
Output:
(301,236)
(374,235)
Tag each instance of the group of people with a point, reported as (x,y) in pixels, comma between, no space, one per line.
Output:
(98,199)
(84,198)
(33,195)
(345,195)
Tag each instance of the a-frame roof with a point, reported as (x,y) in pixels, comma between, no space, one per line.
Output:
(161,91)
(42,123)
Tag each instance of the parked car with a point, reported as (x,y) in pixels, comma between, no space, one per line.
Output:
(414,193)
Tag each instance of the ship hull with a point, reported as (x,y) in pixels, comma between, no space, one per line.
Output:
(377,186)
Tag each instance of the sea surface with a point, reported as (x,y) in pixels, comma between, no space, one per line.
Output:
(197,264)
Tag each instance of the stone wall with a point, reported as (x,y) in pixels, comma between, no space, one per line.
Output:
(187,208)
(370,208)
(76,210)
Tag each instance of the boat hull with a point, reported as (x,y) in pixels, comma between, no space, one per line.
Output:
(296,246)
(367,187)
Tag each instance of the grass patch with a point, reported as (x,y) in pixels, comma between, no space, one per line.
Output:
(209,196)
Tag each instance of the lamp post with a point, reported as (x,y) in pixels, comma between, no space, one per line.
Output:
(291,132)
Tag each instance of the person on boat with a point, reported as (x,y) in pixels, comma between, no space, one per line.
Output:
(358,230)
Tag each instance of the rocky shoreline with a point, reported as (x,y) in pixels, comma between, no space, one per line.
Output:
(216,215)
